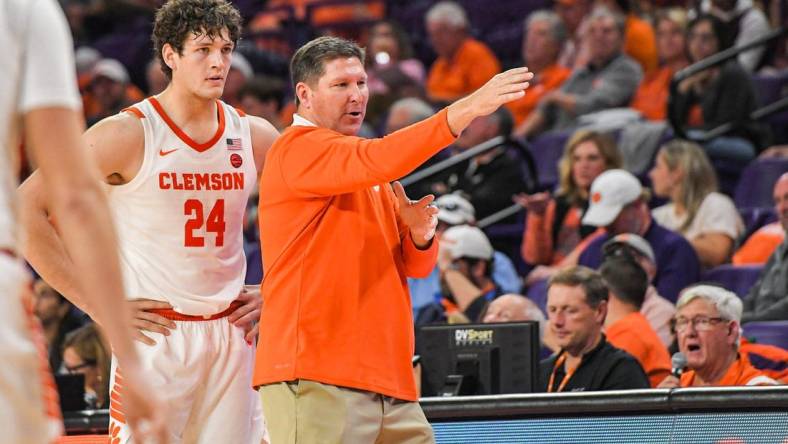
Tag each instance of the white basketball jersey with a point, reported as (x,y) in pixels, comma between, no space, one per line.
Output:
(179,220)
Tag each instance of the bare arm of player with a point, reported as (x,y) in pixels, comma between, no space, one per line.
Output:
(116,146)
(263,136)
(70,187)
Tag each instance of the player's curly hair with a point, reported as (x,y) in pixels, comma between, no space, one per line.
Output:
(177,19)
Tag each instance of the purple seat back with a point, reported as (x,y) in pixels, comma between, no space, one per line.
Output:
(755,218)
(538,294)
(547,150)
(757,181)
(736,278)
(770,332)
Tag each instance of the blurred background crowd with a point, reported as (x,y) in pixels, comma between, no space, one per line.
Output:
(626,155)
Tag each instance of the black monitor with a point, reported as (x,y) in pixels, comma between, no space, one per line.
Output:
(478,359)
(71,390)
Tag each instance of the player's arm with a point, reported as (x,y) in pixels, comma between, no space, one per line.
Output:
(67,183)
(112,143)
(263,136)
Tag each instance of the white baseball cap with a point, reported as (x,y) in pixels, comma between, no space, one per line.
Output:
(466,241)
(610,192)
(111,69)
(455,210)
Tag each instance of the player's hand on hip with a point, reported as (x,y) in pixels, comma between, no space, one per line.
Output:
(420,217)
(144,410)
(145,321)
(247,315)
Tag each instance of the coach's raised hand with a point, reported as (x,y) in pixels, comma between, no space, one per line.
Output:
(502,88)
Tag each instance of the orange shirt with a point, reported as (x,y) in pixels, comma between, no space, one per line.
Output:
(770,359)
(634,335)
(651,97)
(336,255)
(741,372)
(761,245)
(640,43)
(549,79)
(470,68)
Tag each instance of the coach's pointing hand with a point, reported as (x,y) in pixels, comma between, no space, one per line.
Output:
(502,88)
(420,217)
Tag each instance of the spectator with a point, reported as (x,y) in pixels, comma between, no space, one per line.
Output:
(465,261)
(619,203)
(543,36)
(708,330)
(639,41)
(389,49)
(625,325)
(406,112)
(707,219)
(517,308)
(715,96)
(768,298)
(155,77)
(745,22)
(490,179)
(58,317)
(240,72)
(553,229)
(573,14)
(264,97)
(455,210)
(576,310)
(109,92)
(609,79)
(86,352)
(657,310)
(651,97)
(464,63)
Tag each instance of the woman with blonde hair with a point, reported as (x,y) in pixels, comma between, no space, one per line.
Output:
(86,352)
(706,218)
(553,230)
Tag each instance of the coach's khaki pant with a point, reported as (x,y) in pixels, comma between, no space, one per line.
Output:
(307,412)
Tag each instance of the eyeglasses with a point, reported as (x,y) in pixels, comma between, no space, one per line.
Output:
(700,323)
(64,369)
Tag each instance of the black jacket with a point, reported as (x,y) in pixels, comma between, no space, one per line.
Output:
(603,368)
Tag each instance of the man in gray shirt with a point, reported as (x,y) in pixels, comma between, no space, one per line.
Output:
(768,299)
(608,81)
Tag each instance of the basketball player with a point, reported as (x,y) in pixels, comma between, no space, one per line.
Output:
(180,167)
(39,103)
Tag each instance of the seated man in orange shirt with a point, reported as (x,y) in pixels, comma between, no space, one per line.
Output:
(543,37)
(625,326)
(464,63)
(708,332)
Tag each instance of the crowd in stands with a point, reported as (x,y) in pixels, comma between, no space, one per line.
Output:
(616,188)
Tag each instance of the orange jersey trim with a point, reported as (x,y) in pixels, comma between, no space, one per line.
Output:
(199,147)
(133,110)
(240,112)
(175,316)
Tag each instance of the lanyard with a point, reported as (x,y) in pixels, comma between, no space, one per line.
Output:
(558,363)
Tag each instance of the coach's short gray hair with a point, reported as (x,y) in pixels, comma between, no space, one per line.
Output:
(557,28)
(448,12)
